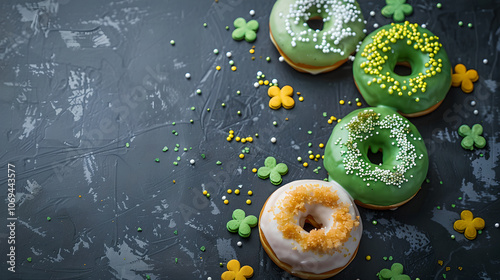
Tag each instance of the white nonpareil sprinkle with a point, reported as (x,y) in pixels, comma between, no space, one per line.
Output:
(485,61)
(476,112)
(281,59)
(188,75)
(340,14)
(273,140)
(259,73)
(209,278)
(224,197)
(274,81)
(256,84)
(252,12)
(239,243)
(497,225)
(372,13)
(229,54)
(473,103)
(192,161)
(375,25)
(424,25)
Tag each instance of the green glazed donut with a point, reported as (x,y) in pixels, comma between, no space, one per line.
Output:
(408,44)
(310,50)
(404,157)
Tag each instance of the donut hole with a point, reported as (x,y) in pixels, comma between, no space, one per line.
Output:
(403,68)
(375,158)
(315,23)
(311,224)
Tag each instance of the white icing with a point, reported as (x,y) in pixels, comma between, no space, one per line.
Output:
(309,261)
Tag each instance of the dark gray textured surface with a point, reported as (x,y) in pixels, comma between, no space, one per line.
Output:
(79,79)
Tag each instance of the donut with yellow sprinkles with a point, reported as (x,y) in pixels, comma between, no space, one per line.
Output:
(410,45)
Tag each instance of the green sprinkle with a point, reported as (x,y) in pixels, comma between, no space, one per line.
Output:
(310,152)
(208,195)
(479,232)
(177,145)
(29,259)
(263,76)
(204,24)
(309,132)
(438,207)
(49,218)
(176,133)
(299,159)
(452,236)
(238,92)
(427,181)
(176,259)
(172,42)
(173,123)
(193,108)
(275,123)
(256,135)
(221,264)
(444,276)
(357,99)
(127,145)
(481,155)
(176,149)
(198,91)
(325,114)
(438,5)
(227,27)
(374,222)
(244,168)
(349,102)
(185,149)
(203,156)
(191,121)
(239,112)
(469,25)
(139,229)
(157,159)
(202,248)
(385,258)
(176,163)
(178,158)
(208,109)
(310,144)
(441,182)
(148,277)
(460,198)
(223,104)
(165,148)
(218,162)
(216,51)
(190,148)
(173,131)
(453,205)
(460,23)
(175,232)
(390,258)
(268,59)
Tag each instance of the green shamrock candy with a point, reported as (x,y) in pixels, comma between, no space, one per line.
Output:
(272,171)
(245,30)
(397,9)
(241,224)
(472,137)
(395,273)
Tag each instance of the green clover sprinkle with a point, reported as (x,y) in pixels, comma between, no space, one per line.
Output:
(272,170)
(395,273)
(397,9)
(245,30)
(241,223)
(472,137)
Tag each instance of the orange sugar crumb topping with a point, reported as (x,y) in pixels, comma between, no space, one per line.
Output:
(317,240)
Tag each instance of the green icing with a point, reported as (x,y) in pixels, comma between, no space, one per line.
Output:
(404,156)
(430,77)
(306,52)
(472,137)
(245,30)
(272,171)
(395,273)
(397,9)
(241,224)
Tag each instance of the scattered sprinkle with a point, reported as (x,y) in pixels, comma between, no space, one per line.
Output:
(139,229)
(187,75)
(172,42)
(216,51)
(252,12)
(202,248)
(273,140)
(127,145)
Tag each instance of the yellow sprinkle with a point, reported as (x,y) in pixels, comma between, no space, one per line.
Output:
(233,68)
(205,192)
(228,139)
(242,156)
(330,121)
(301,98)
(311,156)
(80,196)
(237,139)
(217,68)
(249,201)
(231,131)
(237,191)
(298,92)
(305,164)
(358,104)
(229,190)
(173,181)
(254,170)
(250,192)
(243,140)
(318,155)
(266,82)
(341,102)
(321,145)
(249,139)
(368,257)
(261,82)
(226,201)
(251,51)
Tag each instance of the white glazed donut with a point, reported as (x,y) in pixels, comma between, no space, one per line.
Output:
(324,251)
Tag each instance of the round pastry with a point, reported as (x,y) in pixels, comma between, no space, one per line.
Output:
(410,45)
(328,210)
(316,50)
(377,185)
